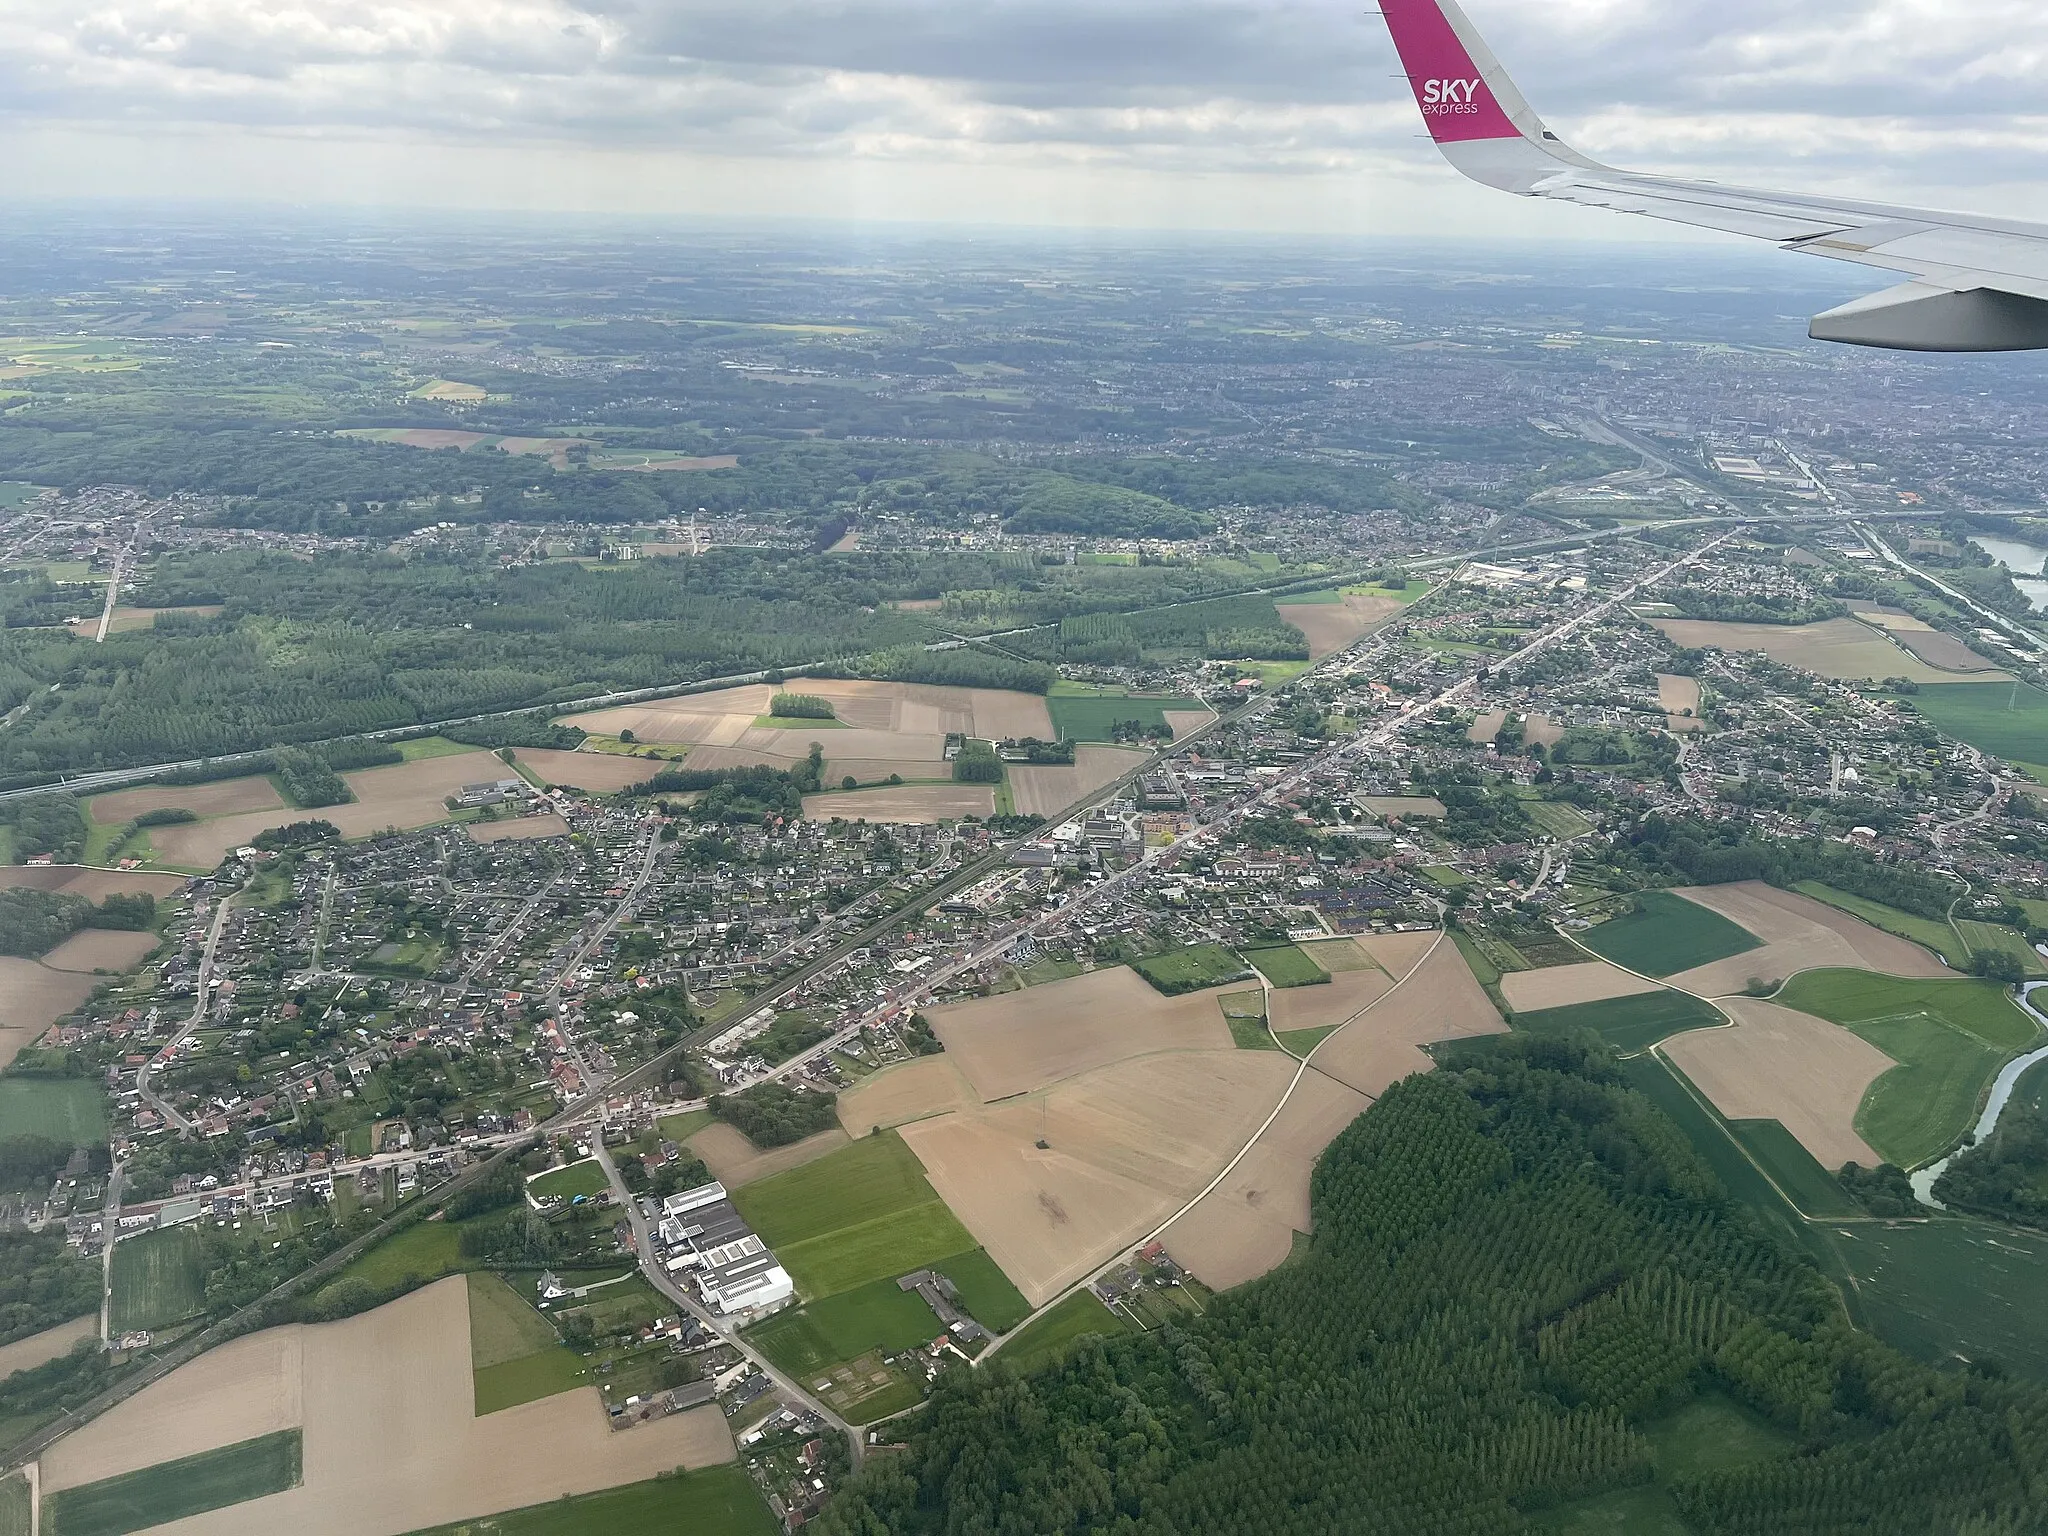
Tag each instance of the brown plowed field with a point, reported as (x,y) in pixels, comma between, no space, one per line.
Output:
(1185,722)
(1439,1001)
(1246,1225)
(1397,953)
(734,1160)
(94,884)
(101,949)
(1838,648)
(1405,805)
(32,998)
(404,795)
(1332,626)
(126,619)
(921,805)
(872,770)
(518,829)
(1125,1145)
(1541,730)
(1020,1041)
(248,1387)
(1348,993)
(1563,985)
(1676,695)
(1046,791)
(1800,934)
(1942,650)
(1778,1064)
(42,1348)
(1487,726)
(916,1090)
(223,797)
(392,1443)
(601,772)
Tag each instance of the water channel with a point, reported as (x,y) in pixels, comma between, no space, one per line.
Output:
(2001,1090)
(2023,560)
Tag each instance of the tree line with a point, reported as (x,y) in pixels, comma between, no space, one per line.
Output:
(1518,1265)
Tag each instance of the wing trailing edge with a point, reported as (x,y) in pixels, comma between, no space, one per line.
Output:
(1973,284)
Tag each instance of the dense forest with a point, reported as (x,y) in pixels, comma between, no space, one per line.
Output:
(1518,1265)
(34,922)
(775,1114)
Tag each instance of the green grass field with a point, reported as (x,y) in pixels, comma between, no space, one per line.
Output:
(1949,1038)
(424,1251)
(1445,876)
(1927,931)
(1249,1034)
(1812,1188)
(513,1382)
(17,1506)
(502,1326)
(159,1279)
(63,1109)
(1563,822)
(718,1501)
(1666,934)
(584,1178)
(174,1490)
(1284,965)
(1049,1338)
(820,1334)
(885,1246)
(1340,955)
(1082,713)
(415,748)
(985,1291)
(680,1128)
(865,1213)
(1627,1023)
(1190,969)
(1954,1290)
(2008,719)
(1299,1042)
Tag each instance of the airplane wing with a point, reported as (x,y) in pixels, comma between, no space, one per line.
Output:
(1973,284)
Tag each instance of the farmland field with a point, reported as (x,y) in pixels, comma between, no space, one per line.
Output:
(1837,648)
(63,1109)
(175,1490)
(158,1279)
(32,998)
(1666,934)
(1083,713)
(721,1501)
(1627,1023)
(1049,1338)
(1560,986)
(985,1291)
(864,1213)
(1286,966)
(390,1390)
(2006,719)
(1948,1037)
(1791,1167)
(1190,969)
(1954,1290)
(515,1354)
(878,1315)
(1931,932)
(17,1506)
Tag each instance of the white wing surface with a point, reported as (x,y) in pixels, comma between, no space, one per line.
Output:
(1974,284)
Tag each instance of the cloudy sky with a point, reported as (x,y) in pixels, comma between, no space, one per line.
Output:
(1276,115)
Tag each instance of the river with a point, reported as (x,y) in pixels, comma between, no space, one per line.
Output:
(2001,1090)
(2023,560)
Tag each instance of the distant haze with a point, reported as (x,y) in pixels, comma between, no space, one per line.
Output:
(1205,114)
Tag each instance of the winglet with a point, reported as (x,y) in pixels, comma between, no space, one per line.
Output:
(1472,109)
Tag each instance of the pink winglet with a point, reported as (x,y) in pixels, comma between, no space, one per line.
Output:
(1455,100)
